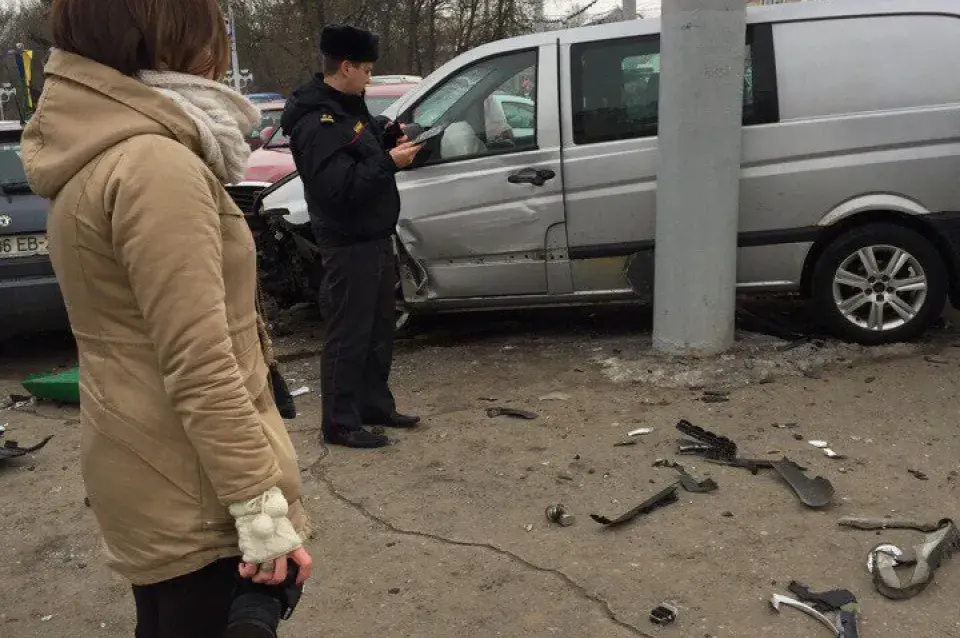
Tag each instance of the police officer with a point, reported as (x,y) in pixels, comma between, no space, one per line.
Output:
(348,162)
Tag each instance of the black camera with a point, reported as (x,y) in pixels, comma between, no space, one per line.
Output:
(257,609)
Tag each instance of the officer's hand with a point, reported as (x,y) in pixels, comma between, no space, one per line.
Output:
(403,154)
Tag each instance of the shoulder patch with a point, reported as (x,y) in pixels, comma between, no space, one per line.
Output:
(358,128)
(327,118)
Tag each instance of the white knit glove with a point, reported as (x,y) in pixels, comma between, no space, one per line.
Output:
(264,530)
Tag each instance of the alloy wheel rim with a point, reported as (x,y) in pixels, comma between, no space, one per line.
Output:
(880,288)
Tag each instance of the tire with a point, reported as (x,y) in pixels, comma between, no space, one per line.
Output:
(895,296)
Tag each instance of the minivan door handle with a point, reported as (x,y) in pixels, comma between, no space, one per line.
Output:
(535,176)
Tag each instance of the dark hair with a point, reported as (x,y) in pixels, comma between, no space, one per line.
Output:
(330,66)
(186,36)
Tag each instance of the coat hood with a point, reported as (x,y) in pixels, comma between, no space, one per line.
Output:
(87,108)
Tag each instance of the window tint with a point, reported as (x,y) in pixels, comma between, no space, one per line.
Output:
(867,64)
(616,89)
(488,108)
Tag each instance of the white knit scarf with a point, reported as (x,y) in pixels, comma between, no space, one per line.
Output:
(222,116)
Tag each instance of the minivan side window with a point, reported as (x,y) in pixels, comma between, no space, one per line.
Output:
(616,89)
(488,108)
(868,64)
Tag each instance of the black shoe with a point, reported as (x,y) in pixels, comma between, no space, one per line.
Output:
(362,439)
(395,420)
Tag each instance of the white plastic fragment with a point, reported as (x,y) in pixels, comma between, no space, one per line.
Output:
(641,432)
(299,392)
(555,396)
(819,444)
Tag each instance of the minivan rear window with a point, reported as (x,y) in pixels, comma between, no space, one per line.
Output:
(11,166)
(616,89)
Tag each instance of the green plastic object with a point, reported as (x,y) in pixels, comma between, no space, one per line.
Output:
(62,387)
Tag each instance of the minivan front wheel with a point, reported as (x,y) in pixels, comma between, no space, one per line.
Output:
(880,283)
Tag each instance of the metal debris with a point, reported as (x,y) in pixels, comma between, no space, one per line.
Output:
(511,412)
(640,432)
(558,514)
(660,499)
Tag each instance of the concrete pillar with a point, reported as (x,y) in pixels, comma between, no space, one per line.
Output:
(629,9)
(698,189)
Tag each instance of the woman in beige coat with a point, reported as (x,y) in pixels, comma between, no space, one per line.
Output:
(186,461)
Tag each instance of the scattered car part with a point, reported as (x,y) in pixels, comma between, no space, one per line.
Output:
(874,524)
(826,601)
(687,481)
(926,558)
(660,499)
(718,447)
(886,548)
(715,448)
(640,432)
(511,412)
(779,600)
(816,492)
(12,450)
(664,614)
(300,392)
(839,601)
(558,514)
(834,455)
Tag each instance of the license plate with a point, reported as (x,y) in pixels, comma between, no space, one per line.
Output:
(23,246)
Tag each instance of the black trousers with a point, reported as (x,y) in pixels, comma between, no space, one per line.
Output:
(191,606)
(359,310)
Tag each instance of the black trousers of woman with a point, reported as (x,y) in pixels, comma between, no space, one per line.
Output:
(191,606)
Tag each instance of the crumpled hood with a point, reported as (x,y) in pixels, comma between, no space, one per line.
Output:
(307,98)
(86,109)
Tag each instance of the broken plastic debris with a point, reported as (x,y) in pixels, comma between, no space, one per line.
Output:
(664,614)
(11,450)
(555,396)
(528,527)
(925,558)
(819,444)
(640,432)
(558,514)
(658,500)
(299,392)
(511,412)
(833,455)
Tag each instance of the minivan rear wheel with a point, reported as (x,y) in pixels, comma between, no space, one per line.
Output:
(880,283)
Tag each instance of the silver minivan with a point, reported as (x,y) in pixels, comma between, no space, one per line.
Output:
(542,188)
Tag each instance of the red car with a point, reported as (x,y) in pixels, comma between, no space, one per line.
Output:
(273,160)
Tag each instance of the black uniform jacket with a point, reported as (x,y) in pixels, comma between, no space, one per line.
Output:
(341,154)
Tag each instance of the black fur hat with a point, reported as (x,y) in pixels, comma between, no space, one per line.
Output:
(343,42)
